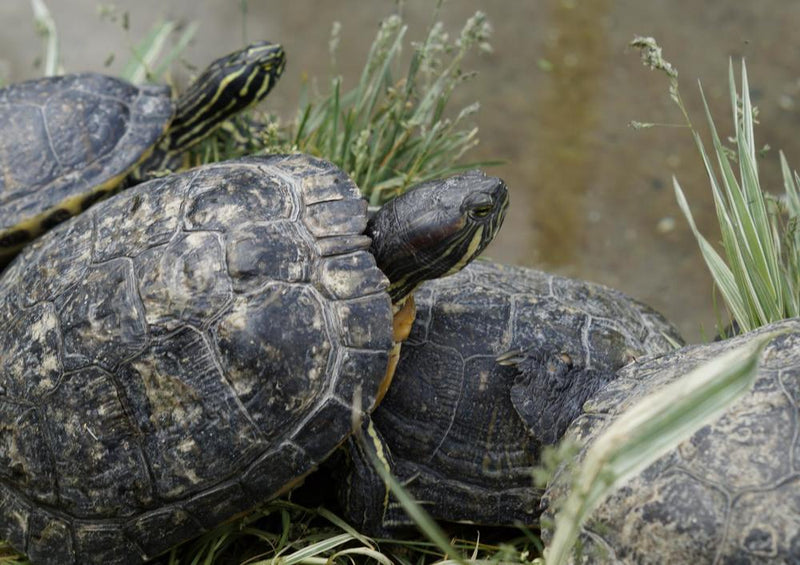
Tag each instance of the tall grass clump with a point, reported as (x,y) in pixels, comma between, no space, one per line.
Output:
(757,273)
(394,127)
(389,132)
(757,276)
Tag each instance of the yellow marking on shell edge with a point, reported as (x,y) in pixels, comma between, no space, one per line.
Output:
(73,205)
(135,171)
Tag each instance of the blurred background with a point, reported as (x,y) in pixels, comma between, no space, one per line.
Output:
(591,197)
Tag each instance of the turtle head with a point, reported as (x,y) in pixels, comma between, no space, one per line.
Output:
(229,85)
(255,69)
(436,228)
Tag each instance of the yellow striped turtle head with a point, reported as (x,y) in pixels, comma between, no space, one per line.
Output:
(229,85)
(436,228)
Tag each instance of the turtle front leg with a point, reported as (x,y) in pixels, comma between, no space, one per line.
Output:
(550,389)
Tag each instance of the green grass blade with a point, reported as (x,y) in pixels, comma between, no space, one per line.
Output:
(426,525)
(146,53)
(750,248)
(306,554)
(344,526)
(333,117)
(648,430)
(302,123)
(46,26)
(721,273)
(180,46)
(374,556)
(790,187)
(747,113)
(731,203)
(378,78)
(756,202)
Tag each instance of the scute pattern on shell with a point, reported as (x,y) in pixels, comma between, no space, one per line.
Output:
(181,352)
(728,494)
(63,136)
(448,418)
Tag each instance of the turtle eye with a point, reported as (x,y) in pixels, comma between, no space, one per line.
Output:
(482,211)
(478,203)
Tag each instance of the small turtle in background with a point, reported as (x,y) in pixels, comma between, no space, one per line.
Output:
(194,346)
(69,141)
(463,432)
(728,494)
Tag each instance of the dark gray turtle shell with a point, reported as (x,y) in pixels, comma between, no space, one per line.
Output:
(463,432)
(728,494)
(182,352)
(68,140)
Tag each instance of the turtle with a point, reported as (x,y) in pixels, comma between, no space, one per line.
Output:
(730,493)
(197,344)
(68,141)
(497,365)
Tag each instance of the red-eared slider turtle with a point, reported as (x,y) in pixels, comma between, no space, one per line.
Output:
(728,494)
(463,432)
(68,141)
(193,346)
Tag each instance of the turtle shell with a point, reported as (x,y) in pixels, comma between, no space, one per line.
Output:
(182,352)
(67,141)
(730,493)
(464,432)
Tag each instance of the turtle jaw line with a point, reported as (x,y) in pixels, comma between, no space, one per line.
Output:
(436,229)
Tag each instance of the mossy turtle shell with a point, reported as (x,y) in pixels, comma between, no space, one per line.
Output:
(181,352)
(67,141)
(730,493)
(464,432)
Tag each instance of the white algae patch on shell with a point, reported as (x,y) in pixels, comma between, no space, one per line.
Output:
(182,352)
(728,494)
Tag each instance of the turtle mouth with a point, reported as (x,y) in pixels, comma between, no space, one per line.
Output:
(498,193)
(501,194)
(276,70)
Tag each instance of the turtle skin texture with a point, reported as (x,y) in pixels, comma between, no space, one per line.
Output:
(182,352)
(463,432)
(67,141)
(729,494)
